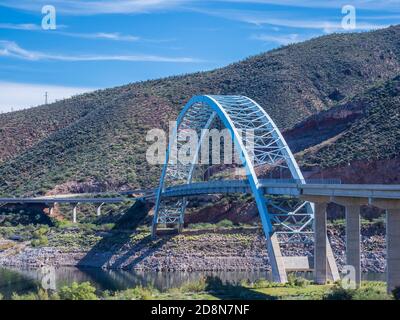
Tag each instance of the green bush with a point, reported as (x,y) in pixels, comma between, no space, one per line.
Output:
(396,293)
(262,283)
(42,241)
(225,224)
(137,293)
(195,286)
(294,281)
(41,294)
(339,293)
(81,291)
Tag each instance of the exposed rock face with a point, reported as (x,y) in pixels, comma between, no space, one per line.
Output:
(362,172)
(229,250)
(88,186)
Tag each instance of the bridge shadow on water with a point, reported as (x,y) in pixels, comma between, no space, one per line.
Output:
(217,288)
(112,251)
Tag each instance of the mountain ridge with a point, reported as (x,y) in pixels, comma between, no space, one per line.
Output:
(99,137)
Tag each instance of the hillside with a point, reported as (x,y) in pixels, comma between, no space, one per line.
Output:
(96,141)
(372,135)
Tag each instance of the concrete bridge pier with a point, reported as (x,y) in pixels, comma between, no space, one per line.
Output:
(393,248)
(51,208)
(353,241)
(353,232)
(320,244)
(74,212)
(353,236)
(392,208)
(98,211)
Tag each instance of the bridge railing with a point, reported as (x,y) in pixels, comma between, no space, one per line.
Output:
(298,181)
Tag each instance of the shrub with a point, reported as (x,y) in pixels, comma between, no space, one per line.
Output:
(27,296)
(41,294)
(225,224)
(42,241)
(195,286)
(262,283)
(81,291)
(137,293)
(339,293)
(396,293)
(294,281)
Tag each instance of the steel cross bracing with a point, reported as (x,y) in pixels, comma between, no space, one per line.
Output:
(260,146)
(260,140)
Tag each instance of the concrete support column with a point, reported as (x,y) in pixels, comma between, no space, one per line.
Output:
(99,209)
(51,209)
(320,243)
(275,259)
(353,240)
(74,220)
(393,248)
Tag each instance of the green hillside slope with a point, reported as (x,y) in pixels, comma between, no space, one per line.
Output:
(374,136)
(102,146)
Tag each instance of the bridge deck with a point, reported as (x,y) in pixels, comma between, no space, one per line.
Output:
(59,200)
(275,187)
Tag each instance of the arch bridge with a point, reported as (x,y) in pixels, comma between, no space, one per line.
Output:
(285,218)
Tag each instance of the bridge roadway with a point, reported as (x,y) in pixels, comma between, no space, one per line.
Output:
(71,199)
(54,200)
(329,188)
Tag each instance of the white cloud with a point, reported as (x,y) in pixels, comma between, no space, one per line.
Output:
(21,26)
(24,95)
(360,4)
(92,7)
(12,49)
(115,36)
(281,19)
(281,39)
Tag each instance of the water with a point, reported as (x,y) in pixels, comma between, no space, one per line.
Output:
(26,280)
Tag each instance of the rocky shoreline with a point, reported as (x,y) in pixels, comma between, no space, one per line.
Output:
(228,250)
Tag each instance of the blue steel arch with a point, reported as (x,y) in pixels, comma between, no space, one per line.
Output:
(236,113)
(220,105)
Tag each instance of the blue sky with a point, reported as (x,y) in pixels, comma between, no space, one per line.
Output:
(99,44)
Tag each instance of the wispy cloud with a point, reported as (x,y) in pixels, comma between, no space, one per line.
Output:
(30,95)
(360,4)
(92,7)
(20,26)
(278,19)
(12,49)
(115,36)
(281,39)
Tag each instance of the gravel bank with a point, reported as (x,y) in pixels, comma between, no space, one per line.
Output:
(232,250)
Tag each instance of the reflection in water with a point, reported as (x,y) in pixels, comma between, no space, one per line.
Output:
(25,280)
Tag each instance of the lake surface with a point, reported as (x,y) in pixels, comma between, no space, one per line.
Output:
(26,280)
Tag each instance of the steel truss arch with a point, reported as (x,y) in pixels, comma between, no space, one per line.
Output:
(237,113)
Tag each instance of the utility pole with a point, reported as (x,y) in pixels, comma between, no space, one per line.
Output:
(45,98)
